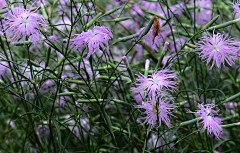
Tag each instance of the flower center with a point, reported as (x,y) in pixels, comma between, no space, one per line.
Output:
(216,48)
(24,20)
(155,81)
(209,118)
(207,112)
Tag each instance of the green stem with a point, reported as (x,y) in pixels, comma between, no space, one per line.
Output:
(230,125)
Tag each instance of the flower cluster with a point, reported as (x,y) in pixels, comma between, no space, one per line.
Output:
(74,90)
(207,117)
(95,38)
(21,24)
(155,88)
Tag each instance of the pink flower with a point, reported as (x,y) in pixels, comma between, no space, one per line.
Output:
(10,123)
(177,9)
(138,98)
(3,68)
(236,5)
(93,38)
(153,6)
(218,48)
(3,4)
(154,84)
(120,2)
(53,37)
(203,11)
(23,24)
(165,60)
(237,44)
(179,44)
(163,112)
(137,10)
(210,123)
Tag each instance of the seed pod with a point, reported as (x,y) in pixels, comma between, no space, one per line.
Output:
(156,28)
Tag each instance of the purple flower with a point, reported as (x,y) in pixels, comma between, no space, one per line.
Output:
(130,24)
(53,37)
(165,59)
(23,24)
(237,44)
(3,67)
(120,2)
(137,10)
(47,86)
(153,6)
(177,9)
(217,48)
(210,123)
(162,113)
(179,44)
(3,4)
(138,98)
(236,5)
(43,130)
(85,64)
(93,38)
(154,84)
(203,11)
(80,129)
(10,123)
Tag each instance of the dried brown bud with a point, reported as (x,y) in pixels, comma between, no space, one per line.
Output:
(154,108)
(156,28)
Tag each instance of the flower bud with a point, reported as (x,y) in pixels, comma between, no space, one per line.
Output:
(165,46)
(156,28)
(147,63)
(125,60)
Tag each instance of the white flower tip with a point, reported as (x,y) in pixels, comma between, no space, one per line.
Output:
(147,63)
